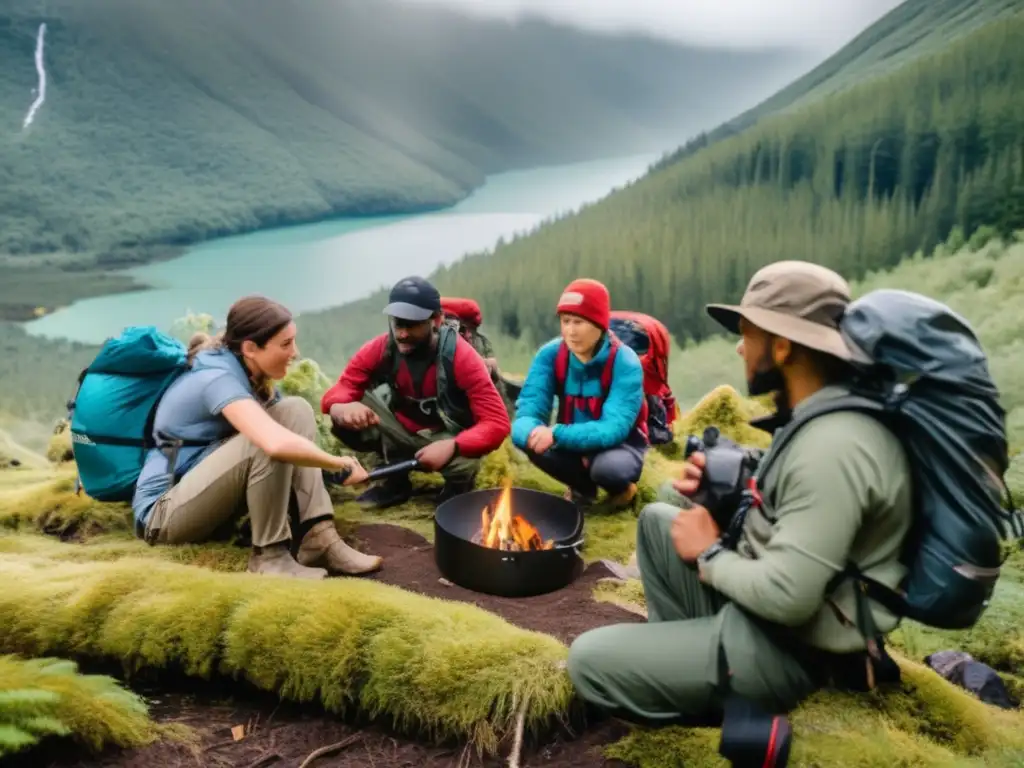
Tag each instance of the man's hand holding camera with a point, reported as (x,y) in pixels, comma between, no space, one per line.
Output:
(694,530)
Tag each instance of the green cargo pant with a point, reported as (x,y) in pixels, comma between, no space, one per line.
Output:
(667,671)
(390,440)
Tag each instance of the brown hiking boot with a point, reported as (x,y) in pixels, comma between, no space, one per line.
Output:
(625,498)
(276,560)
(324,546)
(577,498)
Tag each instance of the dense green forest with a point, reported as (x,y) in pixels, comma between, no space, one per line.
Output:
(169,123)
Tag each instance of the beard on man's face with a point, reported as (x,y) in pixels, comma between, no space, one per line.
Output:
(767,377)
(416,345)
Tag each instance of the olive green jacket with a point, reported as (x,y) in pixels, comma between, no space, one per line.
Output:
(841,490)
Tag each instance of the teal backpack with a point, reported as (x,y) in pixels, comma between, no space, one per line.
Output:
(111,413)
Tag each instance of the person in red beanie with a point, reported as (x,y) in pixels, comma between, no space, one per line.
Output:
(599,439)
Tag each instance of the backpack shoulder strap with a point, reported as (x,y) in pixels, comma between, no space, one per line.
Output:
(447,341)
(609,366)
(561,374)
(867,587)
(784,436)
(561,366)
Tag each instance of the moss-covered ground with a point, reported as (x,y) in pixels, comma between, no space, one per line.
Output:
(78,585)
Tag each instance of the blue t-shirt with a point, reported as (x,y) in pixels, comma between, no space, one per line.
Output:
(191,410)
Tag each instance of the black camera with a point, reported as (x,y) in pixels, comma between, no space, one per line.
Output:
(728,469)
(754,738)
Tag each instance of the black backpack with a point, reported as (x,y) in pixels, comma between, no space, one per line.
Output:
(930,384)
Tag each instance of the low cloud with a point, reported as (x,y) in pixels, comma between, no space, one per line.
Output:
(821,26)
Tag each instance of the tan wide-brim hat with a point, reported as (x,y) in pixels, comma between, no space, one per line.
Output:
(797,300)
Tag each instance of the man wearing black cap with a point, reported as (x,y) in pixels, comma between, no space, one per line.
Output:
(419,390)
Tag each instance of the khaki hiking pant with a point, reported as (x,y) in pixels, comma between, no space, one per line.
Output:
(667,671)
(237,477)
(393,442)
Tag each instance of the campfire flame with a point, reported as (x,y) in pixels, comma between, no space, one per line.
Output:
(501,529)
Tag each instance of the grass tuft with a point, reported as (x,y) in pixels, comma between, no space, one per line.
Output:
(47,501)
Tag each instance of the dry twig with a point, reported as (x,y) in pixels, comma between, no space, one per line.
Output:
(517,745)
(330,749)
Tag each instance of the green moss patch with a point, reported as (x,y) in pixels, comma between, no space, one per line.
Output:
(927,722)
(438,668)
(47,501)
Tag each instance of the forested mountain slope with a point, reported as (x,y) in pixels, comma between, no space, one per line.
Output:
(171,122)
(913,28)
(855,180)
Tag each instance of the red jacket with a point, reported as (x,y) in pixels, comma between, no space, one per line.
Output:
(471,376)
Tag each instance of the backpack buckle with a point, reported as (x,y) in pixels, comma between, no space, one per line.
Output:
(897,395)
(427,406)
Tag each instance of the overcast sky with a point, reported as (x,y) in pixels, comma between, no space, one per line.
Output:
(817,25)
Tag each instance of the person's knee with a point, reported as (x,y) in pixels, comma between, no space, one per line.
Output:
(588,658)
(655,521)
(614,471)
(462,469)
(361,441)
(296,414)
(667,494)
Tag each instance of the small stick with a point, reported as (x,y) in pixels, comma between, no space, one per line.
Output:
(517,744)
(331,749)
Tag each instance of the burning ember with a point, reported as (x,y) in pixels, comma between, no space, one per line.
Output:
(503,530)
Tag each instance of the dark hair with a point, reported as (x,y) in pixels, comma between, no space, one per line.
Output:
(252,318)
(831,368)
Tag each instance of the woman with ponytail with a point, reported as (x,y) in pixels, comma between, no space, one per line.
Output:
(256,453)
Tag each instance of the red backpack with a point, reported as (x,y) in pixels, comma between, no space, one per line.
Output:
(567,403)
(649,338)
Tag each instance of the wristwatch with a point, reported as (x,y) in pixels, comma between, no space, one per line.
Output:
(709,553)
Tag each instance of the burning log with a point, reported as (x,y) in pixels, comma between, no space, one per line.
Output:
(505,531)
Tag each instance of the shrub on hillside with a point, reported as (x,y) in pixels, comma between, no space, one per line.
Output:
(725,408)
(59,449)
(185,327)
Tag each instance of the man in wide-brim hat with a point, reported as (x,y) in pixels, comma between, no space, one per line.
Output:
(764,619)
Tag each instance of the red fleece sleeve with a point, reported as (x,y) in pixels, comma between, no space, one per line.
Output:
(492,423)
(355,379)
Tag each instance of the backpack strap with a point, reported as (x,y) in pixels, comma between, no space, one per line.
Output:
(786,434)
(565,404)
(448,409)
(865,587)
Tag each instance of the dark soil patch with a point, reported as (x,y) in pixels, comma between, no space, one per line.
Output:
(283,734)
(565,614)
